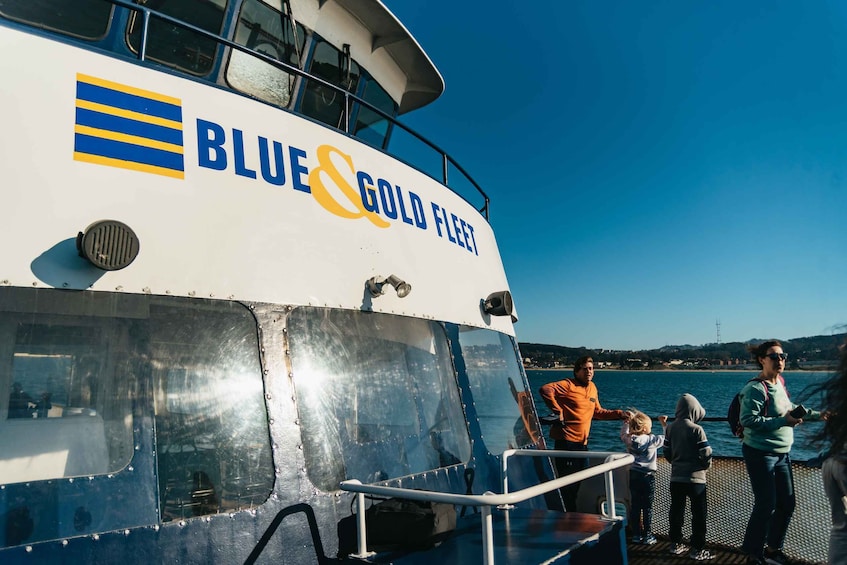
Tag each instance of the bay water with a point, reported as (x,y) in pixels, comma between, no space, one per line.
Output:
(656,393)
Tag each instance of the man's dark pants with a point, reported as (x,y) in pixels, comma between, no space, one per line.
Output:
(568,466)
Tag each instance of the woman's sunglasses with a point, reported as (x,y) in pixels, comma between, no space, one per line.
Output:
(776,356)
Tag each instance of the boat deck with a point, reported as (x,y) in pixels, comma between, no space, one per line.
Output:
(546,542)
(658,554)
(524,536)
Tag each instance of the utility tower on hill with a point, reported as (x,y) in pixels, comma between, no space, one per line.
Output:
(718,328)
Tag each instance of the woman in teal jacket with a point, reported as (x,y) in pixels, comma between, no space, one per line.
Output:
(769,417)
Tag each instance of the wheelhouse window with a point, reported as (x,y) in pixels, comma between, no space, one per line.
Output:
(335,67)
(177,46)
(503,404)
(372,127)
(376,394)
(87,19)
(267,31)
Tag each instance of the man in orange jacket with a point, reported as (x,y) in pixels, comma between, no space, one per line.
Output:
(576,403)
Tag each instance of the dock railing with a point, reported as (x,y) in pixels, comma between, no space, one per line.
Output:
(489,499)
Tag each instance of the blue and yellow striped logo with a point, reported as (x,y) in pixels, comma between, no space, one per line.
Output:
(121,126)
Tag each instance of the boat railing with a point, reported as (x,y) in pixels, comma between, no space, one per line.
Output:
(350,99)
(554,453)
(730,501)
(730,496)
(487,500)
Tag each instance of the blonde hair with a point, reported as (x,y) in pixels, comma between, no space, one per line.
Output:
(640,423)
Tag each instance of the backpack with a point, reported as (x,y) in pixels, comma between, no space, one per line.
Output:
(396,524)
(733,415)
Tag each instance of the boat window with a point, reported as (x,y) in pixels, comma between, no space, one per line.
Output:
(269,32)
(503,404)
(376,394)
(371,127)
(212,437)
(335,67)
(88,19)
(177,46)
(73,370)
(67,375)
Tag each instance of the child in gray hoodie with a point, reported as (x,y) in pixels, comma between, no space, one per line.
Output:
(687,449)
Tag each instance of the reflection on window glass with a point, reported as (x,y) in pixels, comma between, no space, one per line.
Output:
(67,376)
(88,19)
(377,396)
(370,126)
(177,46)
(212,436)
(77,367)
(335,67)
(269,32)
(504,406)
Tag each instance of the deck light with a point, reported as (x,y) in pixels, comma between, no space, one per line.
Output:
(500,304)
(376,284)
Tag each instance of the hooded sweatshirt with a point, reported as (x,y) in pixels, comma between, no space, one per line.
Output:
(686,445)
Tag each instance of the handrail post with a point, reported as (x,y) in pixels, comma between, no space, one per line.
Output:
(361,528)
(487,536)
(145,30)
(504,474)
(347,111)
(610,490)
(610,495)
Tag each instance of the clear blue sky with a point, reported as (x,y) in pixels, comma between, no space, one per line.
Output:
(653,166)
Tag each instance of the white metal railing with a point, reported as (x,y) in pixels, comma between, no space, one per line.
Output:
(488,499)
(609,456)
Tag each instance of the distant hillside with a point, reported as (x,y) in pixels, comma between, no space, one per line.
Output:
(813,351)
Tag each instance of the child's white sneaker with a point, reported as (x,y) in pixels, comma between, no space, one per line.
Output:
(677,549)
(700,555)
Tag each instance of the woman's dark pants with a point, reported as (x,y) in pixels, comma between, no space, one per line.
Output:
(773,499)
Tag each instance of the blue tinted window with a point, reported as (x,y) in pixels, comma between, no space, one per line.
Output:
(370,126)
(177,46)
(269,32)
(503,405)
(88,19)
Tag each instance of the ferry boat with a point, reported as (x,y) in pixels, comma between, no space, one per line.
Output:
(239,300)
